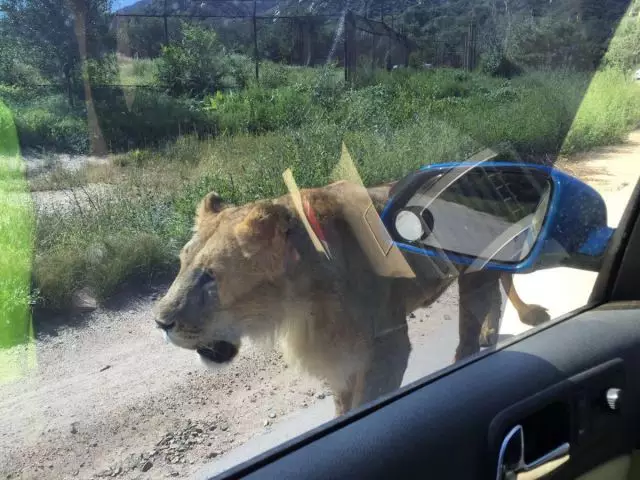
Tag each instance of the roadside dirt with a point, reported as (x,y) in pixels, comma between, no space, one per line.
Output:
(612,171)
(607,168)
(109,398)
(46,172)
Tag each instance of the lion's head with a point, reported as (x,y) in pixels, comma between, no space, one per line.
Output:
(229,272)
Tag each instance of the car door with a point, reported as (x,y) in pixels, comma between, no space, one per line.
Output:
(562,400)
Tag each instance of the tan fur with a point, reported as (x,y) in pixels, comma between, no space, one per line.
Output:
(336,319)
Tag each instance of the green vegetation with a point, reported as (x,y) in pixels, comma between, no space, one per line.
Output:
(201,121)
(16,245)
(608,111)
(400,122)
(197,64)
(139,72)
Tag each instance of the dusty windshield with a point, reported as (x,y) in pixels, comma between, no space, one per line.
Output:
(200,257)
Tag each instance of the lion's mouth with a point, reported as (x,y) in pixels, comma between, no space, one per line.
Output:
(218,352)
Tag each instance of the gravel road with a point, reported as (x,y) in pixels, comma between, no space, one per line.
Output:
(110,398)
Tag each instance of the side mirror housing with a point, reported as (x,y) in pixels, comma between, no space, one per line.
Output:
(507,216)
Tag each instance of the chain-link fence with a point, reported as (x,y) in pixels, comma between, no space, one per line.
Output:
(345,40)
(371,44)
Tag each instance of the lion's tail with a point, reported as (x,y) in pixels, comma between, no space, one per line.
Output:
(532,315)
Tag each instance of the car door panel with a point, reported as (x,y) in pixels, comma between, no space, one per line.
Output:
(440,429)
(616,469)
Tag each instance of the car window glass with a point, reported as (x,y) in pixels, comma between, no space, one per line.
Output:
(200,204)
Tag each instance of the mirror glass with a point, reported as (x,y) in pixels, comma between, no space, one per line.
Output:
(409,225)
(489,213)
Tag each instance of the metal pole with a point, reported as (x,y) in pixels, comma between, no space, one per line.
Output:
(345,39)
(349,46)
(255,40)
(166,25)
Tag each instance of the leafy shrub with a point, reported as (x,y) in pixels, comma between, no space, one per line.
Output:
(495,63)
(366,107)
(197,65)
(152,118)
(143,67)
(14,70)
(273,75)
(43,129)
(103,71)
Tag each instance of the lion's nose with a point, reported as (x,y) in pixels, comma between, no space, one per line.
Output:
(165,326)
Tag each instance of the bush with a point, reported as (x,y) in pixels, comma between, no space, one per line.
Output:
(197,65)
(496,63)
(16,239)
(14,70)
(102,71)
(127,117)
(41,128)
(144,67)
(152,118)
(273,75)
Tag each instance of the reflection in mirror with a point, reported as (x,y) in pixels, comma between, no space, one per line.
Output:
(489,213)
(409,225)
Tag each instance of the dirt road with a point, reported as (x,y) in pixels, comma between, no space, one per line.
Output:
(109,398)
(112,399)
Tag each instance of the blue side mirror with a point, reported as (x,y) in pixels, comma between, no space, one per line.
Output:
(513,217)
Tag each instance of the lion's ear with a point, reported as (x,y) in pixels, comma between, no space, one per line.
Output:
(262,235)
(212,203)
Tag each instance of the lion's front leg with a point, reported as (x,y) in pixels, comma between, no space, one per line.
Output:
(350,396)
(380,375)
(491,325)
(342,401)
(478,292)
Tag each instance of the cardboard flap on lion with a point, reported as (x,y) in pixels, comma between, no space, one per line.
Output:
(360,213)
(508,216)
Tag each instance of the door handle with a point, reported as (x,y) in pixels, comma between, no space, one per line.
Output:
(519,469)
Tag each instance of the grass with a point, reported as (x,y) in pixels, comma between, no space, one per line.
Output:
(61,178)
(609,110)
(392,123)
(133,72)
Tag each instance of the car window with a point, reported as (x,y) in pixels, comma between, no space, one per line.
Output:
(204,245)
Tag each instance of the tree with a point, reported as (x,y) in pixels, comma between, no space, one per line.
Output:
(198,64)
(624,49)
(144,37)
(568,33)
(58,35)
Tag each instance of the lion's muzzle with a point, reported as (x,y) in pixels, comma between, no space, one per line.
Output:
(191,296)
(218,352)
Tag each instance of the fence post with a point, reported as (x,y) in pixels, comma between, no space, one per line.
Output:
(308,42)
(349,46)
(466,52)
(407,47)
(470,48)
(166,25)
(255,41)
(474,46)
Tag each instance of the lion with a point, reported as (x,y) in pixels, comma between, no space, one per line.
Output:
(252,272)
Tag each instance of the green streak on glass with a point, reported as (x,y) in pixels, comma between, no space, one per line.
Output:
(17,347)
